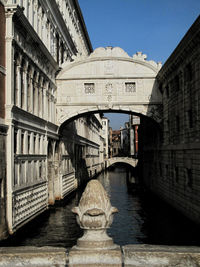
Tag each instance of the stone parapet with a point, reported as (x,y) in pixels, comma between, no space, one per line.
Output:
(33,257)
(160,256)
(128,256)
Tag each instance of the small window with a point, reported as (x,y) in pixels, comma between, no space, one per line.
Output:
(167,91)
(29,144)
(176,174)
(89,88)
(177,83)
(189,74)
(160,169)
(177,124)
(130,87)
(190,118)
(166,170)
(189,180)
(15,142)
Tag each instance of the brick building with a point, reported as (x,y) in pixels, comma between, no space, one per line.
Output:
(172,155)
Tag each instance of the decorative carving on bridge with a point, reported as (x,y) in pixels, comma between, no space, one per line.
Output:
(130,87)
(61,114)
(94,215)
(89,88)
(109,88)
(156,112)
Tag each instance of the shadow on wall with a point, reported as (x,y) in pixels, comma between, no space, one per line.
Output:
(76,152)
(150,141)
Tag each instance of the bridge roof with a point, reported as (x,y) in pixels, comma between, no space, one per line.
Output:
(114,62)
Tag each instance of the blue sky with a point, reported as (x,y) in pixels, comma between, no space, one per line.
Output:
(154,27)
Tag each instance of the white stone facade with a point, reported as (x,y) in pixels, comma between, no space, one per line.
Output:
(40,37)
(105,133)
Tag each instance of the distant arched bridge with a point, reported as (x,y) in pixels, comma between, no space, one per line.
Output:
(131,161)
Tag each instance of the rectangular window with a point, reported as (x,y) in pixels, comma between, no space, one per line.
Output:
(29,144)
(166,172)
(130,87)
(190,118)
(176,174)
(177,83)
(89,88)
(177,124)
(189,180)
(160,169)
(167,91)
(189,74)
(15,142)
(57,48)
(22,143)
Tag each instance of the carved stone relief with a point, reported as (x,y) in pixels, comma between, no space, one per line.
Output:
(108,67)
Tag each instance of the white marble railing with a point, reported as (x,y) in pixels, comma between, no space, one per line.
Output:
(29,202)
(69,183)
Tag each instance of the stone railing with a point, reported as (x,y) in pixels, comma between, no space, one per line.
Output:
(95,247)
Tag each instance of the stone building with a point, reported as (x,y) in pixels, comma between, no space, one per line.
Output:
(134,122)
(171,162)
(40,37)
(83,144)
(3,127)
(116,143)
(105,134)
(129,136)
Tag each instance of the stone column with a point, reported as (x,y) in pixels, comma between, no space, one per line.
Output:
(40,96)
(36,89)
(25,101)
(45,101)
(18,85)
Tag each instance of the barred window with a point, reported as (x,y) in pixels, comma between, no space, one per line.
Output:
(177,83)
(167,91)
(130,87)
(188,73)
(89,88)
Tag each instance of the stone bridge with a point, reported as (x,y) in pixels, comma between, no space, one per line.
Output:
(108,80)
(130,161)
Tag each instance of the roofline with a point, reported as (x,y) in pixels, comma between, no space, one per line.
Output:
(194,29)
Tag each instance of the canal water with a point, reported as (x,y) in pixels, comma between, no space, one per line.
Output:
(142,218)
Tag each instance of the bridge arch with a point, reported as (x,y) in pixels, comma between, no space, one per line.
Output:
(108,80)
(127,160)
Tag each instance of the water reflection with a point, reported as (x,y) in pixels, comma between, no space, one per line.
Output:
(142,218)
(127,224)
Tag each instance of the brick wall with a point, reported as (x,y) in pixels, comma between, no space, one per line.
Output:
(172,168)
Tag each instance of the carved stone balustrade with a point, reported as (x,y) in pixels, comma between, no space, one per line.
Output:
(95,215)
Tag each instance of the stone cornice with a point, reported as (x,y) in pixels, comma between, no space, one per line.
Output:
(3,2)
(57,19)
(44,124)
(185,47)
(83,26)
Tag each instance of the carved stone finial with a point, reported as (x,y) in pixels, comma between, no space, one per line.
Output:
(95,215)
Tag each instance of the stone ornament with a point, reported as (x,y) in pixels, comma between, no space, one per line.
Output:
(95,215)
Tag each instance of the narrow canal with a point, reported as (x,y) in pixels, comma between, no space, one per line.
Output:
(142,218)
